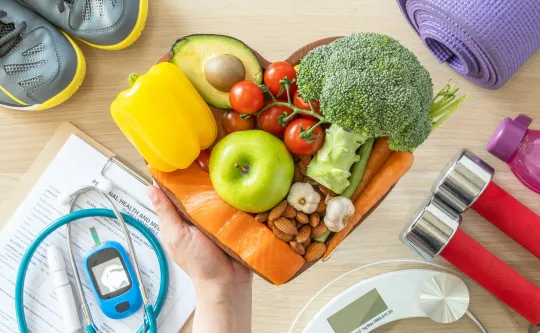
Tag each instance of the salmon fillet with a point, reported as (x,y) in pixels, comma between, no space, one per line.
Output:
(237,230)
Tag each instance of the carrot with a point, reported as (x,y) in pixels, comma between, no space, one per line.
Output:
(379,154)
(391,172)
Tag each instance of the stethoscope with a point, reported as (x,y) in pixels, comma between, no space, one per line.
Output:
(150,312)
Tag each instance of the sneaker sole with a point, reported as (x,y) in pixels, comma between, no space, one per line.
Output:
(65,94)
(133,36)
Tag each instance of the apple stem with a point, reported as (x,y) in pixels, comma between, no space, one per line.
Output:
(241,167)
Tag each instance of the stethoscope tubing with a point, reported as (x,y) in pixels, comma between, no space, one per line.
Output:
(152,311)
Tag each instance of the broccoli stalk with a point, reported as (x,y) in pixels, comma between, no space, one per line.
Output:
(331,165)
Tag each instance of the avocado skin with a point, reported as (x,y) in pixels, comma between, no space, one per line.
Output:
(237,48)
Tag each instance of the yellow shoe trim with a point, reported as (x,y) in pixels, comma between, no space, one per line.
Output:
(135,33)
(15,99)
(74,84)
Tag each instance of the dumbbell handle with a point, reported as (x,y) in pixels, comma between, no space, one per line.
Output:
(511,216)
(494,275)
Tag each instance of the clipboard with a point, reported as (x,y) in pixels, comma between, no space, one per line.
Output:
(46,157)
(55,144)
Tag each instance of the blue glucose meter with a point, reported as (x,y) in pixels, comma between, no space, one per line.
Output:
(112,280)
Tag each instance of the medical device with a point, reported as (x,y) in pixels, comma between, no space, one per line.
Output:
(150,312)
(113,280)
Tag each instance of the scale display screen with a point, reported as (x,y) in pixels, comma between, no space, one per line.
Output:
(358,313)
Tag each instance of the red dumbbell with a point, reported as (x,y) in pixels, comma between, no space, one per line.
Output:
(468,182)
(434,230)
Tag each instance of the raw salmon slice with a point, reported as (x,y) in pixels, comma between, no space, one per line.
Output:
(237,230)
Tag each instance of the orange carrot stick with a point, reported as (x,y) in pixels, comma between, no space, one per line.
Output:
(379,154)
(391,172)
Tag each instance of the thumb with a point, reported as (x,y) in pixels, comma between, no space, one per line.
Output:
(174,231)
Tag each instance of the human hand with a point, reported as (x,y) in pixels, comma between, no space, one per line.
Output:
(223,285)
(205,263)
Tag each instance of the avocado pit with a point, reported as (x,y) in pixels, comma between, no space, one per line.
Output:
(223,71)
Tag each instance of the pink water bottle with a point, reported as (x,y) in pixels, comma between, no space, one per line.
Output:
(519,146)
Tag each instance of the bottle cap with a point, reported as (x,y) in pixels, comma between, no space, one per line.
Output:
(55,259)
(508,136)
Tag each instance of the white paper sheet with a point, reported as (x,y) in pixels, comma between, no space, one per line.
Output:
(76,164)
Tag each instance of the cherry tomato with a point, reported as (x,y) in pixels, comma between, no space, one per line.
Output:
(299,146)
(203,159)
(277,72)
(268,120)
(301,104)
(232,122)
(246,97)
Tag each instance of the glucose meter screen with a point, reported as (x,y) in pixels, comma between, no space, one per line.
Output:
(358,313)
(111,277)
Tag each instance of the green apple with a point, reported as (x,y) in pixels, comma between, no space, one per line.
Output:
(251,170)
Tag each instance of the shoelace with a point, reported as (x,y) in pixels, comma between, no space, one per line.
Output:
(10,39)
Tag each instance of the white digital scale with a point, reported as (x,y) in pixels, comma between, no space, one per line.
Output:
(375,302)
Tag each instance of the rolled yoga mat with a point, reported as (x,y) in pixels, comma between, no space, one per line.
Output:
(486,41)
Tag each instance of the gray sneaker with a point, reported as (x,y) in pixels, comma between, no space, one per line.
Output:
(40,67)
(105,24)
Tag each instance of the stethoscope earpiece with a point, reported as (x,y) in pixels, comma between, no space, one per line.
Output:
(105,186)
(64,199)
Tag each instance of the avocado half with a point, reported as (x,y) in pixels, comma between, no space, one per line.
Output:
(192,53)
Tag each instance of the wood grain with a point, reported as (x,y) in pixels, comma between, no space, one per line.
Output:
(275,29)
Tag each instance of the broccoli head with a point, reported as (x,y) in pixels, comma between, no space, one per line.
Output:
(372,85)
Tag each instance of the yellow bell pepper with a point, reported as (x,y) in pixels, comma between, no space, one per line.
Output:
(165,118)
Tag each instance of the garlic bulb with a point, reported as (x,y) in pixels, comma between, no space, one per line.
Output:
(339,212)
(303,197)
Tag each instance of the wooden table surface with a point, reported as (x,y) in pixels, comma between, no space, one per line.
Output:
(275,29)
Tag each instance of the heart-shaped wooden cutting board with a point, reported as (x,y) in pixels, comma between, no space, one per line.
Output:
(294,59)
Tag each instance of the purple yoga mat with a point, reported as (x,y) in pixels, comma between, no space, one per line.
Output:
(486,41)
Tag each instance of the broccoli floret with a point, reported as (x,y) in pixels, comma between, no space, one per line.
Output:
(311,79)
(371,84)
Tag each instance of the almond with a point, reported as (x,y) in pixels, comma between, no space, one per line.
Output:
(303,234)
(270,225)
(311,181)
(303,169)
(285,225)
(289,212)
(298,248)
(326,191)
(314,219)
(307,243)
(306,159)
(318,230)
(283,236)
(302,217)
(315,251)
(321,207)
(276,212)
(299,225)
(316,188)
(298,175)
(262,217)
